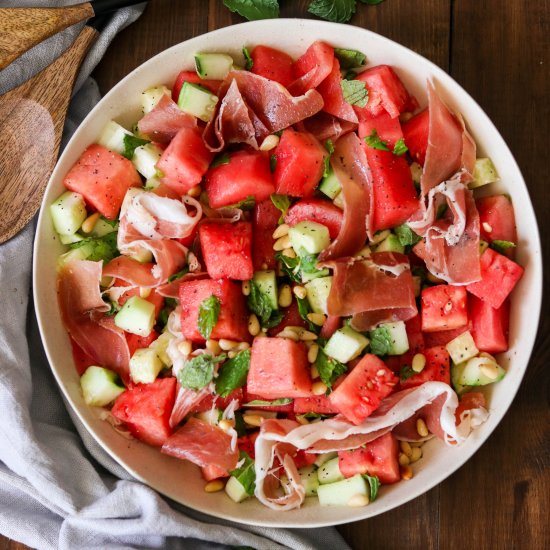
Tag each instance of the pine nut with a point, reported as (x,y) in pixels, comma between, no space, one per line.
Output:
(358,500)
(290,334)
(421,428)
(213,347)
(365,252)
(418,362)
(403,459)
(380,372)
(314,371)
(312,353)
(448,306)
(416,454)
(231,354)
(264,266)
(289,253)
(89,223)
(406,448)
(487,227)
(306,335)
(253,419)
(253,325)
(227,345)
(317,318)
(285,296)
(281,231)
(214,486)
(490,370)
(300,291)
(270,142)
(144,292)
(245,286)
(243,346)
(195,191)
(282,243)
(226,424)
(406,473)
(185,347)
(318,388)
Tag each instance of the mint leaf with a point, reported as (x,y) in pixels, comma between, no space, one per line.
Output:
(380,341)
(245,204)
(290,266)
(232,374)
(131,143)
(260,304)
(209,311)
(282,202)
(355,92)
(372,2)
(406,372)
(199,371)
(303,309)
(400,148)
(178,275)
(329,369)
(254,9)
(374,141)
(100,248)
(501,246)
(246,474)
(406,236)
(349,59)
(329,146)
(274,319)
(220,160)
(374,485)
(248,61)
(261,403)
(338,11)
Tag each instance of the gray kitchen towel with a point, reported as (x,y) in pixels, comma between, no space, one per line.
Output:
(58,488)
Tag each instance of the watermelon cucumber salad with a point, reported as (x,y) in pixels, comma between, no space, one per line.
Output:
(283,275)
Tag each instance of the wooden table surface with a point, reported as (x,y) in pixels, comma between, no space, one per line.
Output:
(498,52)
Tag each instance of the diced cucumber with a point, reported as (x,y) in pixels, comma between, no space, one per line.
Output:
(136,316)
(339,201)
(398,336)
(68,212)
(213,66)
(340,492)
(112,137)
(324,457)
(306,277)
(81,253)
(152,182)
(145,366)
(484,173)
(391,244)
(416,172)
(100,386)
(317,293)
(211,416)
(313,237)
(102,228)
(473,375)
(150,97)
(456,373)
(346,344)
(329,472)
(309,479)
(235,491)
(462,348)
(71,239)
(145,159)
(330,185)
(160,345)
(267,283)
(197,101)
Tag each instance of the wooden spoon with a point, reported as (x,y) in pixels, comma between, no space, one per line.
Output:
(23,28)
(31,123)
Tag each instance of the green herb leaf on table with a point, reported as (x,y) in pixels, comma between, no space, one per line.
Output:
(372,2)
(380,341)
(329,369)
(374,485)
(254,9)
(199,371)
(338,11)
(246,474)
(131,143)
(400,148)
(501,246)
(275,403)
(406,372)
(329,146)
(374,141)
(349,59)
(406,236)
(282,202)
(248,62)
(355,92)
(102,248)
(209,311)
(232,374)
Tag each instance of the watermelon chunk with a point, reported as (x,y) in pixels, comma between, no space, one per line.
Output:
(437,369)
(415,132)
(489,325)
(444,307)
(273,64)
(497,220)
(265,221)
(319,404)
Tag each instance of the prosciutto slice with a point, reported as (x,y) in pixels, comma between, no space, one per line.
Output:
(350,165)
(83,314)
(431,397)
(374,290)
(324,126)
(164,121)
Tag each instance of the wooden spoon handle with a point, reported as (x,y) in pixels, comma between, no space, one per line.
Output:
(23,28)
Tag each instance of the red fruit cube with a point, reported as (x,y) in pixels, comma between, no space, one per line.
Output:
(437,369)
(273,64)
(444,307)
(415,132)
(489,325)
(265,221)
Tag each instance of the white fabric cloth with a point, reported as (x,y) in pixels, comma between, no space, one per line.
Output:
(58,488)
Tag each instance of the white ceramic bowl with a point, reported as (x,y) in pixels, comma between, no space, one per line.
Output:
(181,480)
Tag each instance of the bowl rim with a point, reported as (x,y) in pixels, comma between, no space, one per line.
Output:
(279,520)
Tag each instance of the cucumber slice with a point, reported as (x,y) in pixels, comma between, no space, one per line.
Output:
(330,185)
(100,386)
(484,173)
(145,366)
(317,293)
(235,491)
(325,457)
(309,479)
(152,182)
(339,201)
(150,97)
(112,137)
(456,374)
(160,345)
(474,373)
(340,492)
(136,316)
(68,212)
(145,159)
(346,344)
(267,283)
(306,277)
(71,239)
(81,253)
(398,336)
(313,237)
(211,416)
(416,172)
(102,228)
(197,101)
(462,348)
(214,66)
(390,244)
(330,472)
